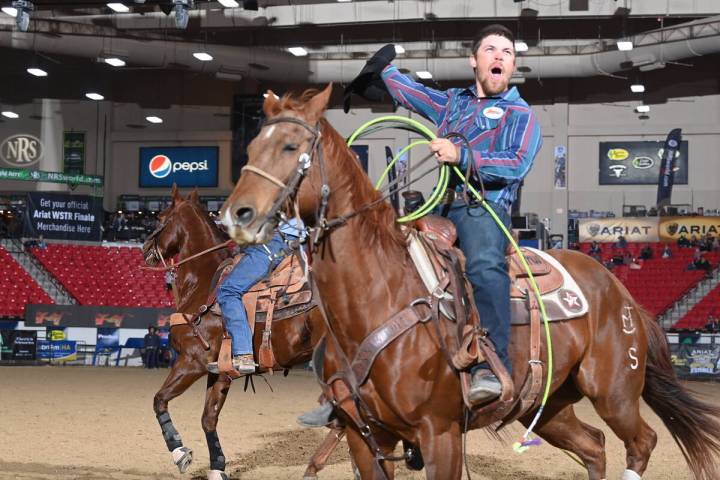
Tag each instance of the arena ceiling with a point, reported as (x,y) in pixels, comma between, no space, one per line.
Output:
(572,46)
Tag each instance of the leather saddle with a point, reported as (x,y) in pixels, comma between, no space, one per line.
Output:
(283,294)
(547,277)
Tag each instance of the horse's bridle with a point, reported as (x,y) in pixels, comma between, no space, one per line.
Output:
(289,189)
(154,248)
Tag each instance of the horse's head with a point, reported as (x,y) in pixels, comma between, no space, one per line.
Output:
(174,224)
(279,158)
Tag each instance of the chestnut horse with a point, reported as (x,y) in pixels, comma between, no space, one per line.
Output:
(186,229)
(364,274)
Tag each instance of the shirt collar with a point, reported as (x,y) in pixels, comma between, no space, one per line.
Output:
(510,95)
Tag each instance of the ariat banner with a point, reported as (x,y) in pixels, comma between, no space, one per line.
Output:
(671,228)
(63,217)
(608,230)
(648,229)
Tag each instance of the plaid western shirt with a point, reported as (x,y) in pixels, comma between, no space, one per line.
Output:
(502,130)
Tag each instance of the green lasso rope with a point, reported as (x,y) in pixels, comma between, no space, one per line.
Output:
(432,202)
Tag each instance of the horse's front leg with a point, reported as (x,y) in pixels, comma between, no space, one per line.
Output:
(183,373)
(217,390)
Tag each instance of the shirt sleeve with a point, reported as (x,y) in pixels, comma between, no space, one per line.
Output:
(518,141)
(428,102)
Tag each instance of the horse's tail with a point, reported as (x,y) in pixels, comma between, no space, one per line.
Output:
(692,423)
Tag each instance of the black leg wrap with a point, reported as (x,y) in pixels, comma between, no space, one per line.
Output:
(217,459)
(171,436)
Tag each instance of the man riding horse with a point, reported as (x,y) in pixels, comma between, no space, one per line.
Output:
(504,138)
(256,263)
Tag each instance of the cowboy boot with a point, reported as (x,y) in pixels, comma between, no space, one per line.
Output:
(244,364)
(317,417)
(484,386)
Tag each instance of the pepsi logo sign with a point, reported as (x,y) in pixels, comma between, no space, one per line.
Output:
(160,166)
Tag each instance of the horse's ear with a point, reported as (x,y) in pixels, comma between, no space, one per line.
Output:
(317,104)
(194,196)
(175,194)
(270,103)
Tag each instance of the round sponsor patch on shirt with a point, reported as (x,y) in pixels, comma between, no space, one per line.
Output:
(493,113)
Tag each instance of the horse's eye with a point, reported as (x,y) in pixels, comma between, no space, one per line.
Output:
(291,147)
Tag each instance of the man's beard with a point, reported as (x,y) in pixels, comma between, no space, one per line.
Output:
(491,89)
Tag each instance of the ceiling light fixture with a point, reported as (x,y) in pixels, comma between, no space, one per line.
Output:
(9,11)
(9,114)
(298,51)
(202,56)
(37,72)
(642,108)
(624,45)
(637,88)
(521,46)
(115,62)
(399,49)
(94,96)
(118,7)
(265,95)
(229,3)
(424,74)
(154,119)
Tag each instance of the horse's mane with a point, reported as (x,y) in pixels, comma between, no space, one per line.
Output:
(379,221)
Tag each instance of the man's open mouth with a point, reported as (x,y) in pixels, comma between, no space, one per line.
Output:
(496,73)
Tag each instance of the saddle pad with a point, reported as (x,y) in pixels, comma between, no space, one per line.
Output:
(563,303)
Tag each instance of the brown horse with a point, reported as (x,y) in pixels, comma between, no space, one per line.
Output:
(186,229)
(364,274)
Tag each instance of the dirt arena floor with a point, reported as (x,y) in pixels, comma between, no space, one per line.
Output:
(97,423)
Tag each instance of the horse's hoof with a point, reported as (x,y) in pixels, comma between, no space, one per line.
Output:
(182,456)
(217,475)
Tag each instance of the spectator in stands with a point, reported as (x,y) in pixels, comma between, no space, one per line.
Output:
(152,346)
(41,243)
(621,242)
(706,245)
(667,252)
(716,244)
(646,253)
(617,257)
(169,279)
(595,251)
(694,242)
(683,241)
(713,324)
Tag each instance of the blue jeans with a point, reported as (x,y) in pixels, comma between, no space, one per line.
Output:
(484,244)
(252,268)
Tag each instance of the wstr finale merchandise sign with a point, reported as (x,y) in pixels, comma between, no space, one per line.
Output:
(63,216)
(639,163)
(18,344)
(647,229)
(183,166)
(37,315)
(61,351)
(52,177)
(74,153)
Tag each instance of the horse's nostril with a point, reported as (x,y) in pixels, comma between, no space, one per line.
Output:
(245,215)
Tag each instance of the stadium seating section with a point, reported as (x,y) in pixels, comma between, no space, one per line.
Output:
(697,317)
(17,287)
(661,281)
(97,275)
